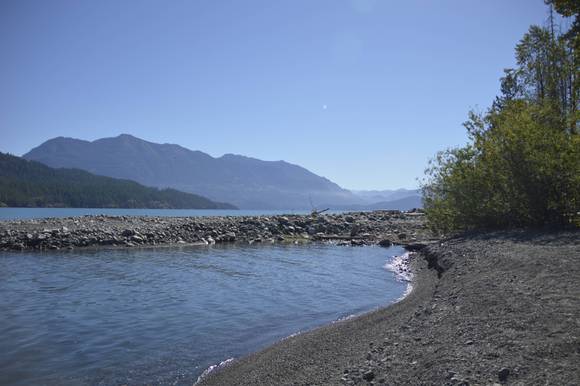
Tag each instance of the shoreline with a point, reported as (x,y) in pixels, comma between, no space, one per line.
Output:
(422,283)
(486,309)
(400,268)
(357,228)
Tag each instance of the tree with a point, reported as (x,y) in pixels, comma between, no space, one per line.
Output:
(522,165)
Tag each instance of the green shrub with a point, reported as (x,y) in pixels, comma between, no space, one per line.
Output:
(518,171)
(522,165)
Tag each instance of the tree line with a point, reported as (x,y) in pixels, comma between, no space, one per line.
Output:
(521,167)
(31,184)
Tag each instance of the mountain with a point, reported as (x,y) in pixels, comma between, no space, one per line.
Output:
(246,182)
(31,184)
(379,196)
(405,203)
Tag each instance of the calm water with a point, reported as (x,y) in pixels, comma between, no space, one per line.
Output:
(23,213)
(162,316)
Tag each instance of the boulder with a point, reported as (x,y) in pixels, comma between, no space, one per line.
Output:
(128,233)
(385,243)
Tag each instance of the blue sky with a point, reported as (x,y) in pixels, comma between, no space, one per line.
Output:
(362,92)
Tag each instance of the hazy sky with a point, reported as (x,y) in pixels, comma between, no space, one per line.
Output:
(362,92)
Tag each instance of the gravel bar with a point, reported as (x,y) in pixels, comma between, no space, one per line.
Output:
(358,228)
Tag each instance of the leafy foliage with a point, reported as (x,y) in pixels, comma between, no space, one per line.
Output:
(31,184)
(522,165)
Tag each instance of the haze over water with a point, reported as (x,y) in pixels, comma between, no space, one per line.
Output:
(165,315)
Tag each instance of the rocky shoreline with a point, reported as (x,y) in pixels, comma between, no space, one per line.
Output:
(358,228)
(488,309)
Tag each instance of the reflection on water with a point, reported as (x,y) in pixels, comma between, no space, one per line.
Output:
(164,315)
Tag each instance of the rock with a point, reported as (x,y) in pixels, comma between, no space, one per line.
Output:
(385,243)
(117,230)
(503,374)
(402,236)
(137,238)
(414,247)
(354,231)
(230,236)
(128,233)
(368,375)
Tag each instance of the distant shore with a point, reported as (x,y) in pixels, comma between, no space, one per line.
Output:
(360,228)
(491,309)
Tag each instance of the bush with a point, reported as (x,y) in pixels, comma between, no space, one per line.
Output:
(522,165)
(522,168)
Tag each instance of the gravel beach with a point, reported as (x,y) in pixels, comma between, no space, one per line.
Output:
(358,228)
(499,308)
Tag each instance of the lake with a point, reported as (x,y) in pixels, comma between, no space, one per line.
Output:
(28,213)
(163,316)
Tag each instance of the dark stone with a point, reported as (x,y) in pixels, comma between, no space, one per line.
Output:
(369,375)
(414,247)
(385,243)
(128,232)
(230,236)
(503,374)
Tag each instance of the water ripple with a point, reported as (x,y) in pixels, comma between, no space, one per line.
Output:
(164,315)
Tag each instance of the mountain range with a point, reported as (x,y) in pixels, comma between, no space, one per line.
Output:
(248,183)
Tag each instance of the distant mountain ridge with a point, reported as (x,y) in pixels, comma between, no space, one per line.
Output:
(381,196)
(26,183)
(243,181)
(405,203)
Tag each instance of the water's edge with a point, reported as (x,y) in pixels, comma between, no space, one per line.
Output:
(400,265)
(330,281)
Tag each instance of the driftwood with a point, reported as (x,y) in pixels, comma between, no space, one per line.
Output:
(315,212)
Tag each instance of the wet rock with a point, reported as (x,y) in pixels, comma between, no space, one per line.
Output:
(385,243)
(230,236)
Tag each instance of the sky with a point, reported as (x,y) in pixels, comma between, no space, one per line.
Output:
(363,92)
